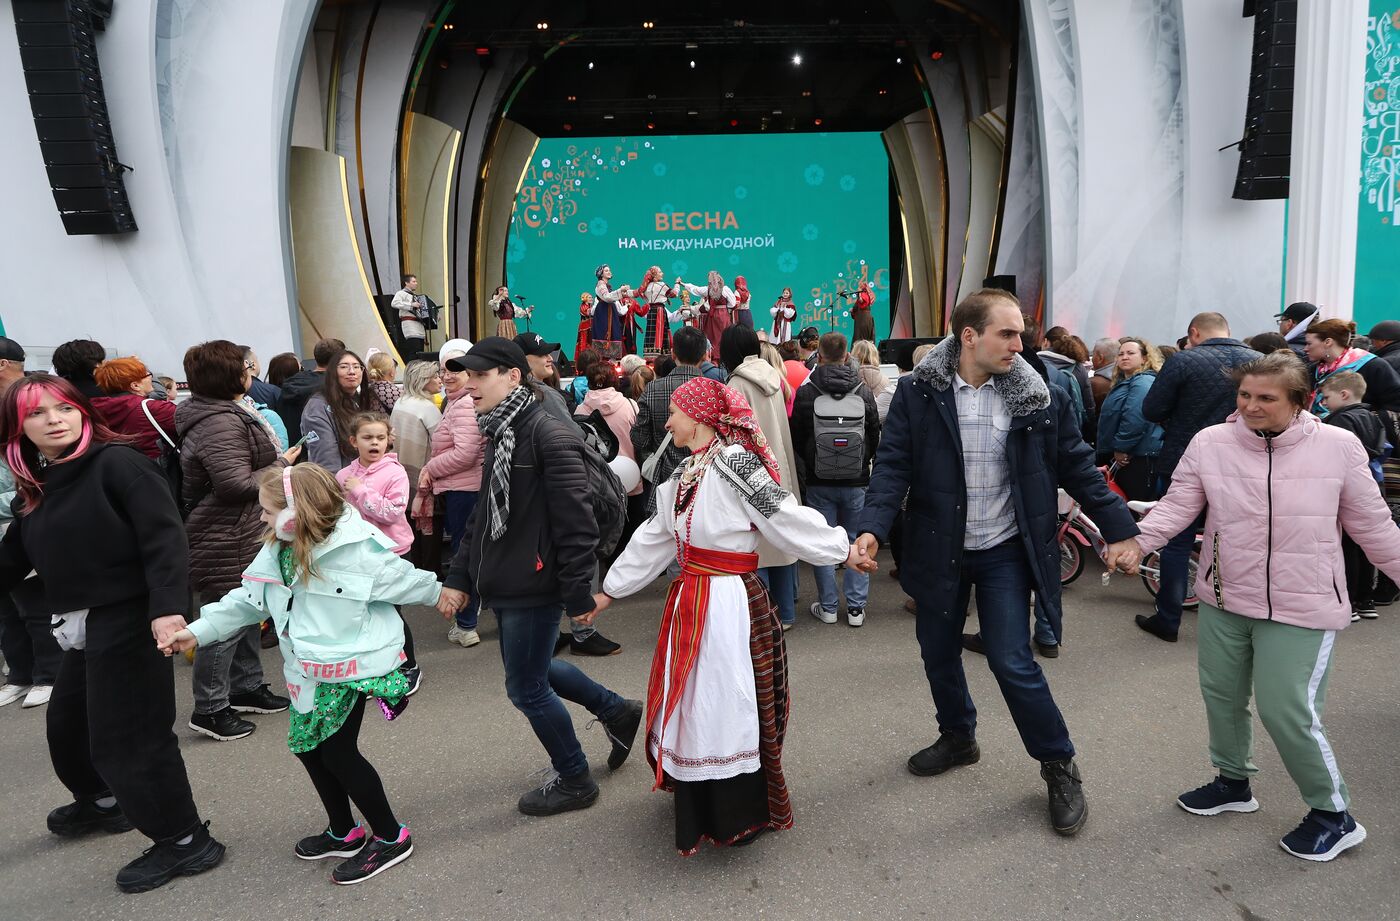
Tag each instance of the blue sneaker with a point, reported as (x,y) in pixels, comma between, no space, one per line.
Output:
(1220,795)
(1321,837)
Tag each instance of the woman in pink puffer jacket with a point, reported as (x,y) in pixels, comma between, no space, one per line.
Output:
(1278,487)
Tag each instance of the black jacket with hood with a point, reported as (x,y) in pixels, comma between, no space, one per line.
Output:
(296,390)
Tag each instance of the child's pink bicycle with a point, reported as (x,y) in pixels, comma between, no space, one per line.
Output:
(1078,533)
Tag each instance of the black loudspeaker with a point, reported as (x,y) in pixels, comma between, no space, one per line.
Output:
(889,348)
(1000,282)
(59,57)
(1267,144)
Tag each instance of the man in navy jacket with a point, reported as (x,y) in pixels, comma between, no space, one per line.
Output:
(979,443)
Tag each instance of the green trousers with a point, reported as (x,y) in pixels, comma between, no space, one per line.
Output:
(1286,669)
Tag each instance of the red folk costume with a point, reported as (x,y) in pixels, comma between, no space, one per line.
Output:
(716,306)
(742,314)
(717,699)
(860,313)
(783,311)
(585,323)
(656,307)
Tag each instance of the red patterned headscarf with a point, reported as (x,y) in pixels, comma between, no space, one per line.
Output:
(725,410)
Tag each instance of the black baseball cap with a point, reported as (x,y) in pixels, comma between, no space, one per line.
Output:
(10,350)
(1297,312)
(811,332)
(490,353)
(534,344)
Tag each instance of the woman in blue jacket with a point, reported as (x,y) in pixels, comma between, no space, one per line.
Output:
(1125,436)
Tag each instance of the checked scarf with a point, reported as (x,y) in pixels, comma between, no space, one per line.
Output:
(496,426)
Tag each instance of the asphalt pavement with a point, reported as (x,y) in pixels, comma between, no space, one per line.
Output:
(871,840)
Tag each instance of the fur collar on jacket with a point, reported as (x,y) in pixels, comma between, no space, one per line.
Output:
(1023,391)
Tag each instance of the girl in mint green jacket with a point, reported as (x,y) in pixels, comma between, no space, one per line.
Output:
(329,580)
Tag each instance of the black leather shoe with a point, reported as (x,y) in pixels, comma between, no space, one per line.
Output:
(972,642)
(1155,627)
(83,816)
(260,700)
(1068,810)
(949,751)
(622,732)
(1048,650)
(595,645)
(560,794)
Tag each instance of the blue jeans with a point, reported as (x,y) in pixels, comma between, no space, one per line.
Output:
(841,505)
(782,588)
(457,511)
(1174,561)
(535,682)
(1002,575)
(1044,633)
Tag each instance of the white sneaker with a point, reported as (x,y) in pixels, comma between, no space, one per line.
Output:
(10,693)
(37,696)
(466,638)
(855,616)
(822,614)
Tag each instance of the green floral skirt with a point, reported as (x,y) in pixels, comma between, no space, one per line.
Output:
(333,704)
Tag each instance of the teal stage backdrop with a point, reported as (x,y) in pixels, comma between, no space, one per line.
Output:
(1378,217)
(806,211)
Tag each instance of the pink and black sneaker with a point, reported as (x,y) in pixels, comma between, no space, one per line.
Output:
(377,857)
(326,844)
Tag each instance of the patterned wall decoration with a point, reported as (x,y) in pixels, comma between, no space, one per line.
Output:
(1378,217)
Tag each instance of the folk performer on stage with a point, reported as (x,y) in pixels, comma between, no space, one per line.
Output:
(656,301)
(784,311)
(609,314)
(717,701)
(860,313)
(717,302)
(507,313)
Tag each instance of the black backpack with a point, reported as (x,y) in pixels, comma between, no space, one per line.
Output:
(608,498)
(169,463)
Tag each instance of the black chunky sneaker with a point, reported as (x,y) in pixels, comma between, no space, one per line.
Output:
(949,751)
(326,844)
(1068,810)
(83,816)
(560,794)
(622,732)
(161,863)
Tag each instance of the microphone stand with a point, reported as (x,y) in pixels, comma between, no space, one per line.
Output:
(528,317)
(843,295)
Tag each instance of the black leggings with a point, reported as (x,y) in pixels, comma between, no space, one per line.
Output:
(341,775)
(410,660)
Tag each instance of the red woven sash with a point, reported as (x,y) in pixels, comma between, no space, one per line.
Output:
(682,626)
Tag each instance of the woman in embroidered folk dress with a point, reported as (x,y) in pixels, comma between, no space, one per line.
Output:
(783,311)
(585,323)
(717,702)
(507,313)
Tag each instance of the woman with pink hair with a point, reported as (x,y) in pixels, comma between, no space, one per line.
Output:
(97,522)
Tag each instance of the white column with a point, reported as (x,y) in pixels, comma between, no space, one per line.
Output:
(1326,155)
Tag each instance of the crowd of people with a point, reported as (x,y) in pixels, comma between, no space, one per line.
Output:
(305,509)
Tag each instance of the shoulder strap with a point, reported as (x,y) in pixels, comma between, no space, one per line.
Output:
(156,425)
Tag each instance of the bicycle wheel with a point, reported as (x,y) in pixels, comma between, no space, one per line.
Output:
(1153,562)
(1191,600)
(1071,557)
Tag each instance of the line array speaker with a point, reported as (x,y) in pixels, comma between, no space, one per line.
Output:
(1265,149)
(59,55)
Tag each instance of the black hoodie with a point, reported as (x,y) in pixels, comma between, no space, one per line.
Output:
(837,380)
(296,390)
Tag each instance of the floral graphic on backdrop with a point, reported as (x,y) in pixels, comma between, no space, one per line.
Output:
(1380,145)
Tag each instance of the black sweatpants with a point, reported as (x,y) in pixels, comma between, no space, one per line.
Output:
(109,723)
(341,774)
(1361,575)
(25,639)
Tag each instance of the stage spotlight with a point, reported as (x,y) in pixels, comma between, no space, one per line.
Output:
(797,59)
(449,27)
(734,123)
(575,98)
(806,93)
(651,126)
(817,122)
(590,65)
(693,112)
(899,60)
(608,117)
(692,65)
(882,91)
(648,24)
(541,26)
(937,55)
(568,127)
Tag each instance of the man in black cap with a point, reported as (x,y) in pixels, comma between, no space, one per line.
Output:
(1293,323)
(528,552)
(540,356)
(11,364)
(807,346)
(1385,342)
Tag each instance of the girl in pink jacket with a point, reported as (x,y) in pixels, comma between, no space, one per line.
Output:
(376,484)
(1278,488)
